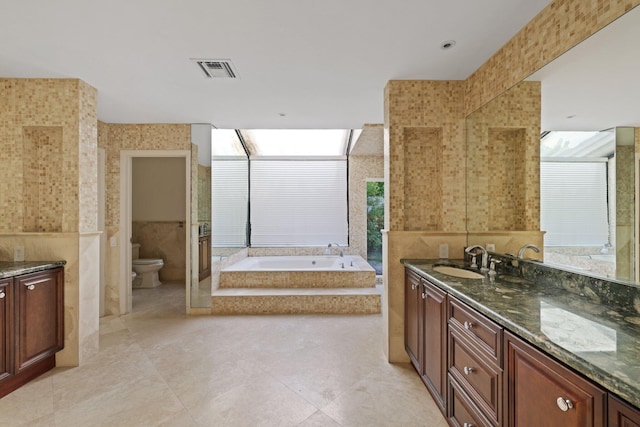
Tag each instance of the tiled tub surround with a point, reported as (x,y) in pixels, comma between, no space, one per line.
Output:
(600,319)
(247,288)
(299,272)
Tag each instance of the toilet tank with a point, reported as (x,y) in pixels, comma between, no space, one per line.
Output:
(135,250)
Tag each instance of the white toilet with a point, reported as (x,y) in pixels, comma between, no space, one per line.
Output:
(146,269)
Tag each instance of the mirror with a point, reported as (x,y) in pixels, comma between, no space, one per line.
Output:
(593,87)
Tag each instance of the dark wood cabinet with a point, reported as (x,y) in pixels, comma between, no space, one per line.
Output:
(6,327)
(204,257)
(621,414)
(541,392)
(412,317)
(32,312)
(425,333)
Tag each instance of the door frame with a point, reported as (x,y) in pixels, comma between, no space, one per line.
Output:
(126,183)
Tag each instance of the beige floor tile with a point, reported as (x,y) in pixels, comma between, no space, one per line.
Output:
(160,367)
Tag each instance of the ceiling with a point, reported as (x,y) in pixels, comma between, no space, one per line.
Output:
(301,63)
(596,85)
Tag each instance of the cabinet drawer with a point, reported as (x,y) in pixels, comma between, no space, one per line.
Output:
(486,334)
(621,414)
(461,411)
(478,375)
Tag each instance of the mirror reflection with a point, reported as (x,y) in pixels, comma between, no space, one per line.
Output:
(587,156)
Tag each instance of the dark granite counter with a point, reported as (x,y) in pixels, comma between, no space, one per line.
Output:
(11,268)
(598,339)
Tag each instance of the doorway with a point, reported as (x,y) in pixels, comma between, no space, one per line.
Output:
(126,219)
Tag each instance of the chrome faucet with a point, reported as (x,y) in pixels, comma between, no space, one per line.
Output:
(524,249)
(339,247)
(483,258)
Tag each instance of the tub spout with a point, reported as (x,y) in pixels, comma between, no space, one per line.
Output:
(339,247)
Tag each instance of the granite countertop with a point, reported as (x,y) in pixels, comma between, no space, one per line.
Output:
(600,341)
(16,268)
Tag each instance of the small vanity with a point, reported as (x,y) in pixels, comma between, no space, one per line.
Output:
(31,320)
(528,346)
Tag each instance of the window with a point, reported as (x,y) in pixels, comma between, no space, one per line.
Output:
(298,202)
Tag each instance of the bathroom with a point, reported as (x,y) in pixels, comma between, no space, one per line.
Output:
(158,227)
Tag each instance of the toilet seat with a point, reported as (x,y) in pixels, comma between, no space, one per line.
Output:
(147,261)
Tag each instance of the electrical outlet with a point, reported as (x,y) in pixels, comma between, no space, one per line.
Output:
(113,241)
(18,253)
(491,247)
(444,251)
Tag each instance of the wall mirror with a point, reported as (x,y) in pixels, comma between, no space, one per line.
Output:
(588,95)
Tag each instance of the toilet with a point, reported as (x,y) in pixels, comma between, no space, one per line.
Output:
(146,269)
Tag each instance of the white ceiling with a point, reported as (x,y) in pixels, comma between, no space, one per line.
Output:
(323,64)
(597,81)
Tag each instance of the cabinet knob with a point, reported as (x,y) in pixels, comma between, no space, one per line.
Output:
(31,287)
(468,325)
(413,286)
(564,404)
(468,371)
(2,294)
(468,425)
(424,295)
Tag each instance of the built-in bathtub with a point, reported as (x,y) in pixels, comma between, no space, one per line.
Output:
(324,271)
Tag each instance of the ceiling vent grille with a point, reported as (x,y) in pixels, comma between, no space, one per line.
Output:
(217,68)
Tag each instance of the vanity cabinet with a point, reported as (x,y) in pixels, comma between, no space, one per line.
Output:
(425,333)
(541,392)
(474,365)
(204,257)
(33,326)
(621,414)
(6,325)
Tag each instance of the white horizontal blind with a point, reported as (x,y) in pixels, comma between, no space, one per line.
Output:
(298,202)
(573,203)
(229,202)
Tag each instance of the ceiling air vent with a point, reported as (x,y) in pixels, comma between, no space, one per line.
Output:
(216,68)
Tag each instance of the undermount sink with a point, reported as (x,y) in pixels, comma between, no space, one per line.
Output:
(457,272)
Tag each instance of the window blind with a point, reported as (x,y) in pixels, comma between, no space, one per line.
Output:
(229,202)
(573,203)
(298,202)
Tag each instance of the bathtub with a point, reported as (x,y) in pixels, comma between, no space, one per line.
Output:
(299,272)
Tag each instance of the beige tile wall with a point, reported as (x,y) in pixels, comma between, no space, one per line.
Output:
(503,162)
(556,29)
(361,168)
(115,138)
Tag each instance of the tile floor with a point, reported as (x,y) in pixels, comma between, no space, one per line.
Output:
(159,367)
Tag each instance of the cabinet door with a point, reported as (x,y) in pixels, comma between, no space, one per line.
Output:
(622,414)
(412,317)
(541,392)
(40,308)
(434,360)
(6,327)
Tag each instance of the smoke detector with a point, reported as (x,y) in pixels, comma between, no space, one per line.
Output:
(216,68)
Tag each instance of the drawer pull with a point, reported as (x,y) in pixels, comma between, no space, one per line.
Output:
(31,287)
(468,371)
(468,425)
(424,295)
(564,404)
(413,286)
(2,294)
(468,325)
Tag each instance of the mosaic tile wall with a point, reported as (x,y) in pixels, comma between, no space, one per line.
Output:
(88,159)
(361,168)
(204,194)
(297,279)
(433,110)
(500,135)
(557,28)
(42,188)
(41,103)
(114,138)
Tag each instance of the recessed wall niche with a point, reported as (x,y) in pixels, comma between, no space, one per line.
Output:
(42,179)
(423,156)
